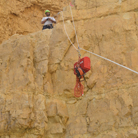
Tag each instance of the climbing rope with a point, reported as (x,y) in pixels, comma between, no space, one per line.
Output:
(75,31)
(90,51)
(74,27)
(110,61)
(66,32)
(78,90)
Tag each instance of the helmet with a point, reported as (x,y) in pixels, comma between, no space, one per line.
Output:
(47,11)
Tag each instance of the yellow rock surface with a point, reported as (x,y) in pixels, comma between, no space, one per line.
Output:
(36,71)
(24,16)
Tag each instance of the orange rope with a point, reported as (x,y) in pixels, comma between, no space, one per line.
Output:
(78,90)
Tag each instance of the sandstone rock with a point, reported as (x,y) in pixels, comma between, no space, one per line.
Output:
(52,109)
(133,134)
(56,129)
(36,71)
(77,125)
(58,51)
(21,17)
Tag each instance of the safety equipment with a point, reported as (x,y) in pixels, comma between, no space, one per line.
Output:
(47,11)
(78,90)
(80,69)
(84,64)
(79,72)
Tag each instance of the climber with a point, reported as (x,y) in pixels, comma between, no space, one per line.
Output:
(47,21)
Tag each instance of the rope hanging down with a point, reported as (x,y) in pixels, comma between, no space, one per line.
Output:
(90,51)
(75,31)
(74,28)
(66,31)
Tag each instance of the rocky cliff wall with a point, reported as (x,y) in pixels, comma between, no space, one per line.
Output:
(24,16)
(37,80)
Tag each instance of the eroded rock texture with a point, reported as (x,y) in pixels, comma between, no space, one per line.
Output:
(37,80)
(24,16)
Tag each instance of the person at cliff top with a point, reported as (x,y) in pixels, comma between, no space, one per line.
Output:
(48,21)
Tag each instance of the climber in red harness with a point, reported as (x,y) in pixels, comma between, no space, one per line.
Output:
(80,68)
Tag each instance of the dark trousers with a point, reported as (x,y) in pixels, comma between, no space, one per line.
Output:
(50,26)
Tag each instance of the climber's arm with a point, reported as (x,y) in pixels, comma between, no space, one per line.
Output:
(52,20)
(43,20)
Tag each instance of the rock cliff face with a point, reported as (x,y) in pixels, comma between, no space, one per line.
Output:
(24,17)
(37,80)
